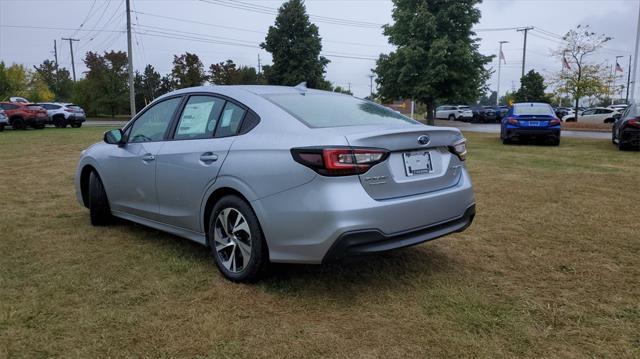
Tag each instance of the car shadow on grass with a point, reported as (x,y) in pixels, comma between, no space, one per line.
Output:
(346,278)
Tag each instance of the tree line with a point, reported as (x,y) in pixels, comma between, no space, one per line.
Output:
(436,60)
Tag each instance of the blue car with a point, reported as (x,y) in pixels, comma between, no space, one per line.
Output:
(530,120)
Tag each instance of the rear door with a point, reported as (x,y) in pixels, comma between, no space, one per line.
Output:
(413,167)
(191,161)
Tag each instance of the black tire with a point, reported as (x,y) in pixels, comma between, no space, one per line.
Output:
(99,210)
(506,141)
(59,122)
(623,146)
(259,257)
(76,124)
(452,118)
(555,142)
(1,127)
(18,124)
(613,135)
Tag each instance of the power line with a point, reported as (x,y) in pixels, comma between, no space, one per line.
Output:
(85,19)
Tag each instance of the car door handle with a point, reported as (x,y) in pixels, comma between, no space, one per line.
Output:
(148,157)
(208,157)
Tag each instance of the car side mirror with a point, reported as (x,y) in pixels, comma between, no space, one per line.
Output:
(114,137)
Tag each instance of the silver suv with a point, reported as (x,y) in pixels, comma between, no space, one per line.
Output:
(63,114)
(454,113)
(279,174)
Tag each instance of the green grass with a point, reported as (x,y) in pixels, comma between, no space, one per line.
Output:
(550,268)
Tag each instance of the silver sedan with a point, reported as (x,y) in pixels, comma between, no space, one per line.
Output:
(279,174)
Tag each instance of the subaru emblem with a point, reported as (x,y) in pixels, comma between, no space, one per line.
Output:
(423,140)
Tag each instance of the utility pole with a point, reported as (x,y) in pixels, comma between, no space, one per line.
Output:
(349,86)
(635,60)
(73,64)
(259,65)
(613,86)
(132,90)
(524,49)
(55,56)
(371,86)
(500,58)
(626,99)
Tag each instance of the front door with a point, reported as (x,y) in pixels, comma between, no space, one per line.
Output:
(129,172)
(190,162)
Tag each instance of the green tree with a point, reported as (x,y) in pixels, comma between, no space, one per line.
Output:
(437,57)
(295,46)
(57,79)
(17,80)
(490,100)
(166,85)
(150,84)
(581,78)
(532,88)
(224,73)
(342,90)
(105,82)
(188,71)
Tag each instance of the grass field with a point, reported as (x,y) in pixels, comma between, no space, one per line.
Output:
(550,268)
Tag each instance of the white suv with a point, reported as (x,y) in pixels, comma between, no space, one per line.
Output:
(61,115)
(451,113)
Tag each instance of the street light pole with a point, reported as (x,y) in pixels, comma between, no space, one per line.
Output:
(500,57)
(635,60)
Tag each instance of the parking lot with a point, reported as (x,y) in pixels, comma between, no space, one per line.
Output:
(548,269)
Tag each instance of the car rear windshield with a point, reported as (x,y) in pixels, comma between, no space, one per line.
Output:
(533,109)
(330,110)
(464,108)
(74,107)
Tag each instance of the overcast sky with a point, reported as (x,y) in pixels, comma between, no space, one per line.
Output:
(217,30)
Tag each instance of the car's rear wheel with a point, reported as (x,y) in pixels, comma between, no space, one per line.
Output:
(555,142)
(99,210)
(18,124)
(506,141)
(1,127)
(236,240)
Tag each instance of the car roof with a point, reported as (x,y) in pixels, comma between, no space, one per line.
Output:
(254,89)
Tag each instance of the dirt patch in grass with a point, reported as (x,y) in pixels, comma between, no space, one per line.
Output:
(550,268)
(581,126)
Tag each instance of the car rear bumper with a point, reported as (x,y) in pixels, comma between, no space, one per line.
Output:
(630,136)
(371,241)
(304,224)
(520,132)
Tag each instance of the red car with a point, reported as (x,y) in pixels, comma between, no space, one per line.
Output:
(22,115)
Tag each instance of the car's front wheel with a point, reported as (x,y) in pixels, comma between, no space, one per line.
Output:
(236,240)
(452,118)
(99,210)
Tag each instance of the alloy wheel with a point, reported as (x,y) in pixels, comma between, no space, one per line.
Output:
(232,237)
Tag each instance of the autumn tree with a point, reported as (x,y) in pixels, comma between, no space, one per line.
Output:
(580,77)
(295,46)
(188,71)
(437,56)
(58,79)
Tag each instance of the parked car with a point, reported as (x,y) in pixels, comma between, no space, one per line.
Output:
(483,114)
(60,115)
(22,114)
(561,112)
(530,120)
(594,115)
(454,113)
(501,111)
(620,108)
(4,120)
(280,174)
(626,130)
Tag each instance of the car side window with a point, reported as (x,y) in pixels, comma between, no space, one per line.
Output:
(153,123)
(588,112)
(230,120)
(199,118)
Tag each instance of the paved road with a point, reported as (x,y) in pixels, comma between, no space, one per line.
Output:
(495,128)
(464,126)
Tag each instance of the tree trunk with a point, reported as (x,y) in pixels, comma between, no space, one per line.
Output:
(430,113)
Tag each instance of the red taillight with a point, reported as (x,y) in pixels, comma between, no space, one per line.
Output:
(634,123)
(554,122)
(512,120)
(339,161)
(68,110)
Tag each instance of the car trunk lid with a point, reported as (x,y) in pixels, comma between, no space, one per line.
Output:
(419,160)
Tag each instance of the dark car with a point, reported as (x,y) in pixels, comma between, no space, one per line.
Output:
(530,120)
(626,130)
(22,115)
(483,114)
(501,111)
(563,111)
